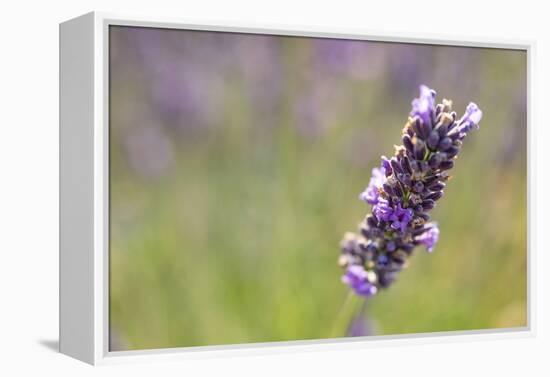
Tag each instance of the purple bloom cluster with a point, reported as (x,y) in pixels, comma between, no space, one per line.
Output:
(361,281)
(371,194)
(402,192)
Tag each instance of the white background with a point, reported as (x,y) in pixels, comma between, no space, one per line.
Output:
(29,184)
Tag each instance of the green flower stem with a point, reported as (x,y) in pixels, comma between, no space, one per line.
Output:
(345,316)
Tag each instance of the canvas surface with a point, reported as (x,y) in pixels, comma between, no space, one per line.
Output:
(236,162)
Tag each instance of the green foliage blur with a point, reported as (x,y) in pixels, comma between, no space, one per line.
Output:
(235,167)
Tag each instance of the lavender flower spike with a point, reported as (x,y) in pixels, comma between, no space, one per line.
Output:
(402,192)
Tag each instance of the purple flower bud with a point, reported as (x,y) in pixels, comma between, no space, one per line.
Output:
(445,143)
(455,134)
(388,189)
(424,130)
(371,193)
(407,143)
(428,204)
(382,210)
(406,164)
(419,149)
(418,187)
(436,159)
(405,179)
(470,119)
(416,126)
(399,217)
(414,166)
(429,238)
(371,221)
(436,195)
(386,166)
(358,279)
(442,130)
(423,166)
(424,106)
(382,261)
(428,181)
(452,151)
(433,140)
(407,247)
(436,186)
(446,165)
(395,166)
(424,216)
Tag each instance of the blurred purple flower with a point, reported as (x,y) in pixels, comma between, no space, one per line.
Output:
(424,105)
(471,118)
(183,89)
(408,64)
(371,193)
(180,93)
(358,279)
(259,62)
(429,238)
(334,54)
(317,109)
(150,152)
(362,60)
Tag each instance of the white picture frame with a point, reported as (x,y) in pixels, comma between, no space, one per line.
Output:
(84,157)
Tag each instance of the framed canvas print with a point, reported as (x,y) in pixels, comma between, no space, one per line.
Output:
(228,189)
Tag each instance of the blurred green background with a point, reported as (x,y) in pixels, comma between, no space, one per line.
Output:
(235,166)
